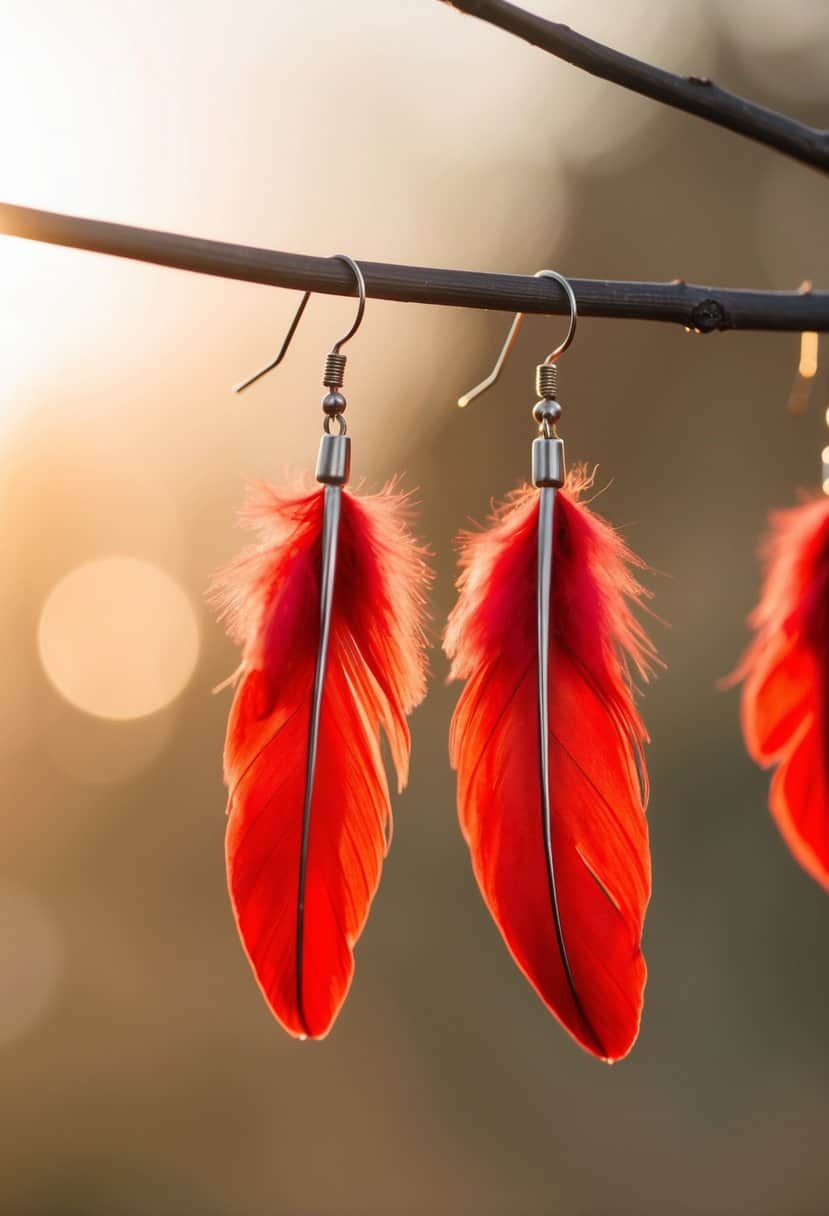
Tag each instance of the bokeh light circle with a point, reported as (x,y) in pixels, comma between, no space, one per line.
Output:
(118,637)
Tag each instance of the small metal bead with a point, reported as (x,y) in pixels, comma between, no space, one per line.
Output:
(546,411)
(333,404)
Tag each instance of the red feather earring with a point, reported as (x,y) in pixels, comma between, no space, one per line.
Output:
(547,740)
(328,608)
(785,703)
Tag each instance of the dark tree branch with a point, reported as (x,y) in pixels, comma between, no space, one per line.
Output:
(700,308)
(693,94)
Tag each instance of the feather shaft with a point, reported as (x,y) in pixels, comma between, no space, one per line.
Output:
(332,505)
(546,535)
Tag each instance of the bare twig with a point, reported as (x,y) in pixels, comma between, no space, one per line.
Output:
(693,94)
(700,308)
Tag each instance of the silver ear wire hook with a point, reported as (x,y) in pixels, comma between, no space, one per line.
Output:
(334,355)
(514,330)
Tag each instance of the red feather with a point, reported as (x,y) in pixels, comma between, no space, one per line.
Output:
(375,675)
(785,706)
(598,826)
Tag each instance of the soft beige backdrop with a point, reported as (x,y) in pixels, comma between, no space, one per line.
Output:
(140,1070)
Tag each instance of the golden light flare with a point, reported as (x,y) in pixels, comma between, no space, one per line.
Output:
(118,638)
(801,393)
(808,355)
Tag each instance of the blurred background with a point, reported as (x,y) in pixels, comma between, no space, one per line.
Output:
(141,1071)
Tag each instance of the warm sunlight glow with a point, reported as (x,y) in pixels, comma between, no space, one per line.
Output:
(118,638)
(21,341)
(31,960)
(808,355)
(106,751)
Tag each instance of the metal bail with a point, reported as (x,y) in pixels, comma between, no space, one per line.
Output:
(334,460)
(548,462)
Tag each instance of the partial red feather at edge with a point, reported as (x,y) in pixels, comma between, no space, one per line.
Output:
(375,675)
(600,838)
(785,701)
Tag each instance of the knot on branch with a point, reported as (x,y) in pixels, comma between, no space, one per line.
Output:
(707,316)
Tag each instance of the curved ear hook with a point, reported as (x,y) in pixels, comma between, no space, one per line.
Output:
(292,328)
(514,330)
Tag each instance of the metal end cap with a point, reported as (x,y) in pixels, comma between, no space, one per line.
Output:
(334,460)
(548,462)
